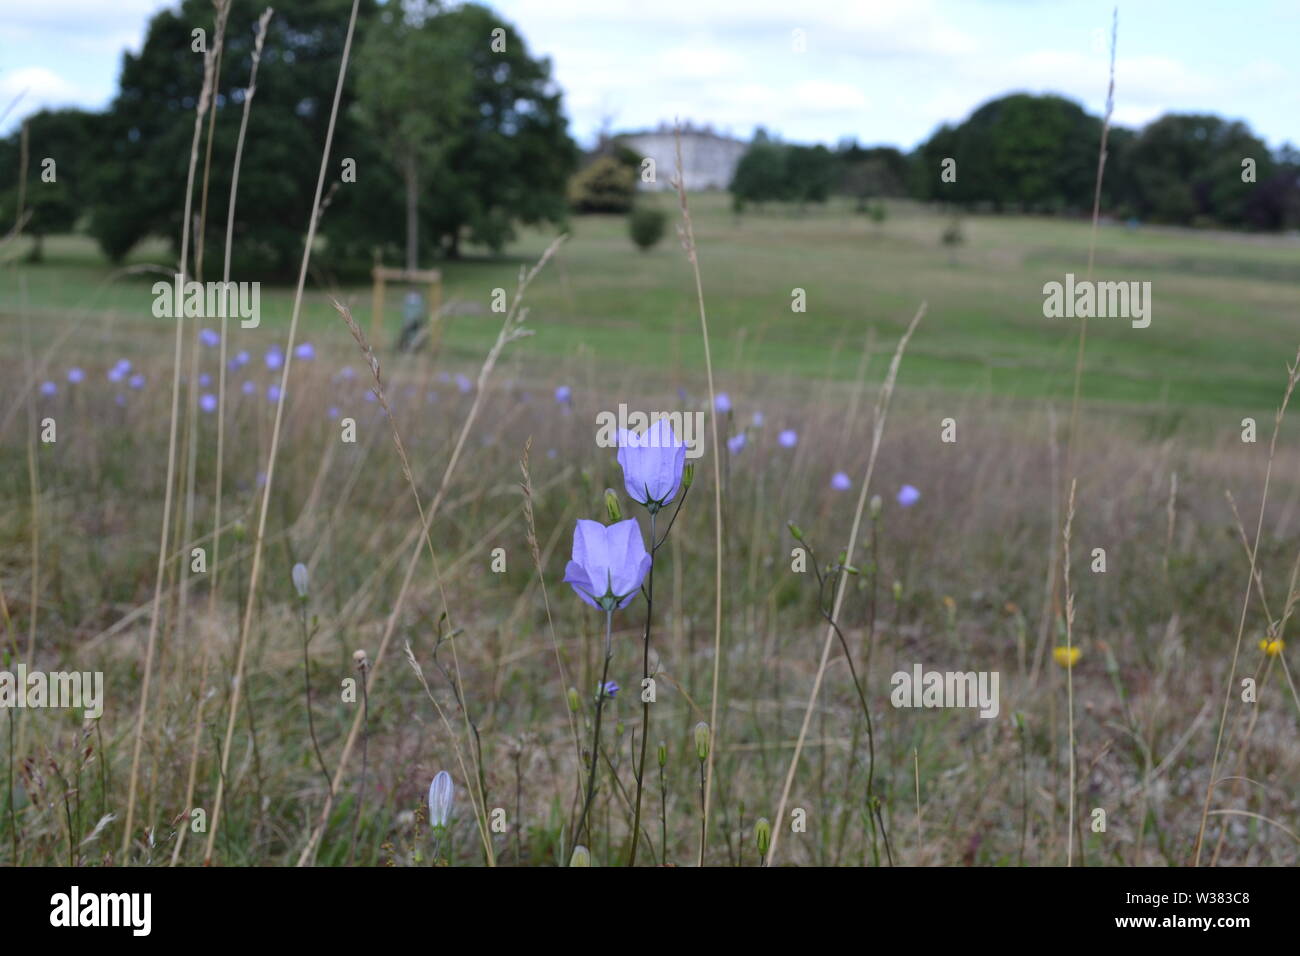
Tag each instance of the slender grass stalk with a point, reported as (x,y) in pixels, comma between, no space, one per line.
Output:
(1293,375)
(878,430)
(206,96)
(688,242)
(1069,670)
(275,436)
(215,566)
(510,331)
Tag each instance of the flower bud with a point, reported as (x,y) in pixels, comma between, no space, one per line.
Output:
(763,834)
(360,660)
(795,530)
(300,580)
(581,856)
(898,590)
(688,475)
(702,740)
(575,702)
(612,507)
(876,505)
(662,753)
(619,727)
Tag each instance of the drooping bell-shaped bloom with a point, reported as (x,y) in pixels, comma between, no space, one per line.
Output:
(908,496)
(441,792)
(609,563)
(652,464)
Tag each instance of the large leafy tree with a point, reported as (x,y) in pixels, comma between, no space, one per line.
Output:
(464,133)
(1187,169)
(149,125)
(63,149)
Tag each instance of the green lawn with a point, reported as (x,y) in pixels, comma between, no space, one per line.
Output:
(1226,311)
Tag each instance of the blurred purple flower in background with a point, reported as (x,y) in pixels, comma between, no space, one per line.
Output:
(908,496)
(208,402)
(464,384)
(273,393)
(205,380)
(346,372)
(333,412)
(722,402)
(136,381)
(240,359)
(652,464)
(249,388)
(758,419)
(840,481)
(274,357)
(75,375)
(306,352)
(735,443)
(49,388)
(788,438)
(563,394)
(209,337)
(609,563)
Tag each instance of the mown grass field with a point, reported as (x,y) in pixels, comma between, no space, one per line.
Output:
(1224,305)
(968,578)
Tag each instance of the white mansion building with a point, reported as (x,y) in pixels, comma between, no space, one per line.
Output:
(709,159)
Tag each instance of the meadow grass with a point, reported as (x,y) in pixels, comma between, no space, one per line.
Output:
(954,582)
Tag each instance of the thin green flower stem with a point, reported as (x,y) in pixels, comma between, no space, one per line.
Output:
(595,733)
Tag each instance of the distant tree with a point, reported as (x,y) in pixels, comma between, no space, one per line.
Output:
(60,192)
(606,185)
(147,129)
(645,224)
(1186,169)
(761,174)
(498,152)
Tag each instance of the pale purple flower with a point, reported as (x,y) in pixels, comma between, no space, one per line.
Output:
(370,397)
(464,384)
(240,359)
(116,373)
(722,402)
(49,388)
(249,388)
(609,563)
(273,393)
(209,337)
(441,792)
(274,357)
(735,443)
(840,481)
(75,375)
(208,402)
(758,419)
(205,380)
(346,372)
(788,438)
(136,381)
(908,496)
(563,394)
(652,464)
(306,351)
(611,688)
(333,412)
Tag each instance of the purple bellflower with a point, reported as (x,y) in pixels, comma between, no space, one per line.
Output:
(609,563)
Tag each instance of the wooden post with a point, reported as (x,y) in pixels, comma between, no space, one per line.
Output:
(377,307)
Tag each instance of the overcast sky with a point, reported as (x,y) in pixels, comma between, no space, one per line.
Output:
(883,71)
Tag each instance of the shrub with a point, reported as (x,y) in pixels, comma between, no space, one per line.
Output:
(646,226)
(607,185)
